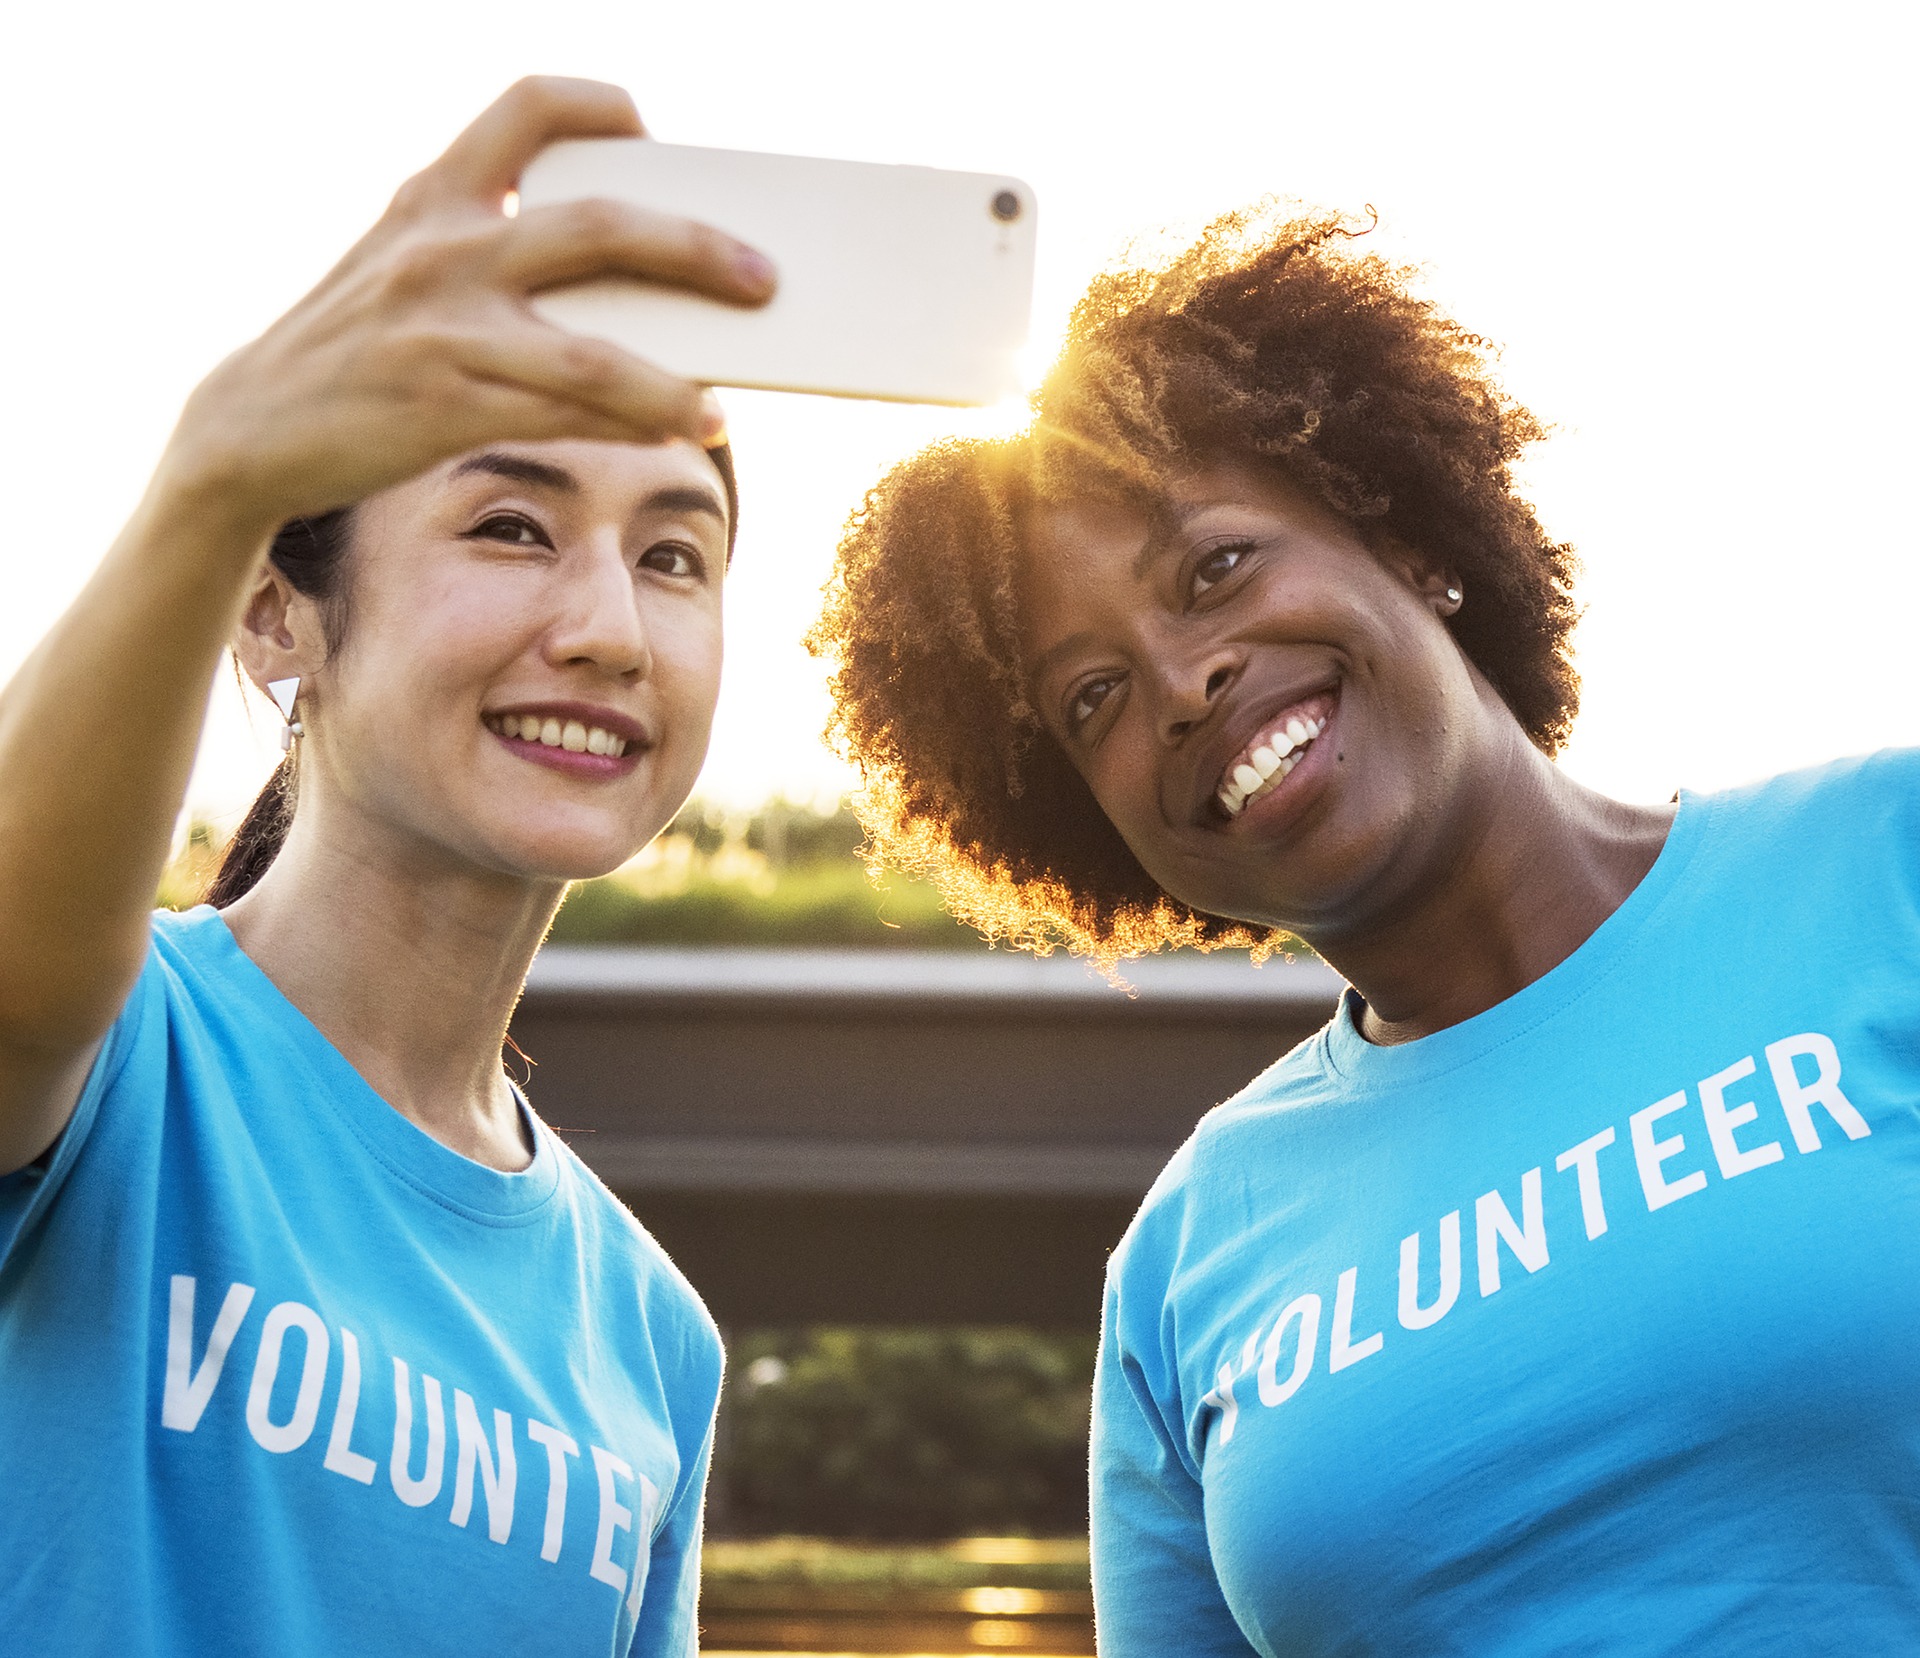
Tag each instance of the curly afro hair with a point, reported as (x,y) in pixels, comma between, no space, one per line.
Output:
(1271,344)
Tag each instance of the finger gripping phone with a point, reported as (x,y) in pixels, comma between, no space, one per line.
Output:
(913,284)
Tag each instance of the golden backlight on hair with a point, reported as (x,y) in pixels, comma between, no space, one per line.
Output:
(1270,342)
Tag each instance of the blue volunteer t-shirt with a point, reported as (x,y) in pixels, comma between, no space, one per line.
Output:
(1590,1325)
(280,1373)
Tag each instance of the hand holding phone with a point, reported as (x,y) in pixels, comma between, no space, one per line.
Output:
(907,283)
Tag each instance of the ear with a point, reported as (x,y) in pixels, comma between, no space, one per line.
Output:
(280,636)
(1439,587)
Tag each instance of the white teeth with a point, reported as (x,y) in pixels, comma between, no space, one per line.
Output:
(1268,763)
(575,736)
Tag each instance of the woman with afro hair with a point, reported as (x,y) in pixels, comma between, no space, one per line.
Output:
(1559,1295)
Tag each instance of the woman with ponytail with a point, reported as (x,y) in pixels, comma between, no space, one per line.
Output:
(313,1338)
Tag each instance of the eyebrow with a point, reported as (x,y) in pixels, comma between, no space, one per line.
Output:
(1044,663)
(540,474)
(686,498)
(544,475)
(1167,524)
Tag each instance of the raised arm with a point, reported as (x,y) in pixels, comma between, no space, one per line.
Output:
(417,346)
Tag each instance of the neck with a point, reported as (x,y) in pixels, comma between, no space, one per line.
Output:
(1532,866)
(409,962)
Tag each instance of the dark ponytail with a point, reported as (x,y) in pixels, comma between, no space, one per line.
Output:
(311,554)
(257,841)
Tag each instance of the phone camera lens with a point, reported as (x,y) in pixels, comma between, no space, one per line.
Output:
(1006,207)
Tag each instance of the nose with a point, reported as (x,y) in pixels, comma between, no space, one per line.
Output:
(1190,690)
(600,623)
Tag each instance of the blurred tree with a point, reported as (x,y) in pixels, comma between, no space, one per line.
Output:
(783,874)
(896,1434)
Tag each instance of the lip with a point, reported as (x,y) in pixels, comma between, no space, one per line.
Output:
(595,767)
(1242,730)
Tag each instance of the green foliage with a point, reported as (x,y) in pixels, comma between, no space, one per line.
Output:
(822,905)
(906,1433)
(781,875)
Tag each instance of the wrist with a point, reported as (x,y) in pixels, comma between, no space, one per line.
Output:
(211,497)
(220,470)
(197,524)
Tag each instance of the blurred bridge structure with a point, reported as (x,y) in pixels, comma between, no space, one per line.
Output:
(894,1138)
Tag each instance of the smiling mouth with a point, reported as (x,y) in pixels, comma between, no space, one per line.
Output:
(574,736)
(1265,763)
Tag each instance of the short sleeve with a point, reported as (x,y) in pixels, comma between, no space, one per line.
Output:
(27,1194)
(1154,1587)
(669,1622)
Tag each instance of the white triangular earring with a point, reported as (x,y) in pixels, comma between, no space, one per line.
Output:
(283,691)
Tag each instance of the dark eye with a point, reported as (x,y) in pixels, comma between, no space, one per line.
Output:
(511,528)
(1216,564)
(1087,701)
(674,558)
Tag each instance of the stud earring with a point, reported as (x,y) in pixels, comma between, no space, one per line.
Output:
(1453,595)
(283,691)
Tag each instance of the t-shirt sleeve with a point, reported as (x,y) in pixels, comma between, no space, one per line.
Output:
(27,1194)
(1154,1587)
(668,1625)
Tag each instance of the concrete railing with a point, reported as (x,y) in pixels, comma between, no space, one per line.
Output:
(815,1133)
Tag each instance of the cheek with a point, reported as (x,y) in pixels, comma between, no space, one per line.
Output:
(445,662)
(418,664)
(440,621)
(687,657)
(1424,700)
(1124,779)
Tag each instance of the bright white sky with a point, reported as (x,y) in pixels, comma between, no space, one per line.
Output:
(1692,226)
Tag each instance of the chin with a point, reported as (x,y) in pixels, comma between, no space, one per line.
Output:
(1315,893)
(573,853)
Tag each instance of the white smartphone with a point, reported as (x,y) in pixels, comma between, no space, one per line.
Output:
(907,283)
